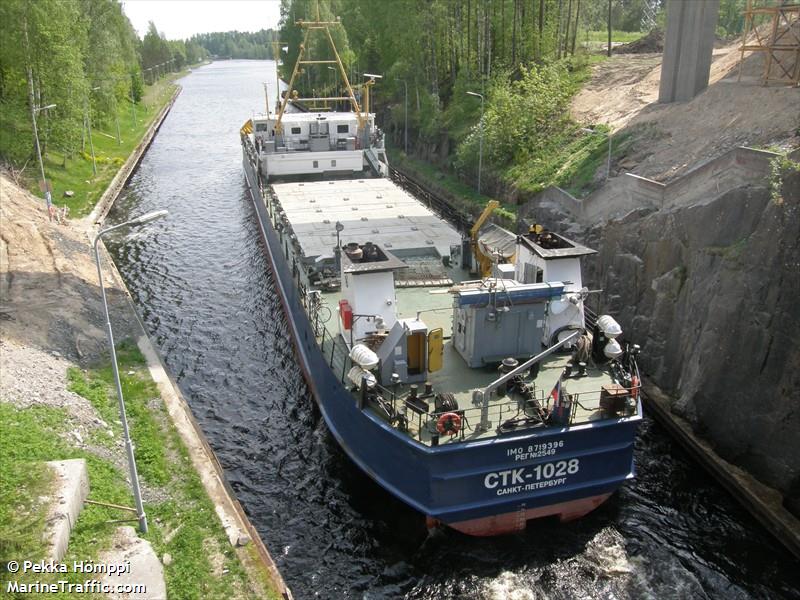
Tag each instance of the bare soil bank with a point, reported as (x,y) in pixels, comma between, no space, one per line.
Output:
(672,138)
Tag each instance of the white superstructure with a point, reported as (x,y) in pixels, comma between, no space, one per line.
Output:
(309,143)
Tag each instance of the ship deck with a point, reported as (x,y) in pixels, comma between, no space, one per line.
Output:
(375,210)
(379,211)
(434,304)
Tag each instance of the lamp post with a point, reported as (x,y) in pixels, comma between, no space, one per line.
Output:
(334,87)
(405,116)
(116,107)
(116,118)
(608,158)
(480,141)
(35,109)
(137,494)
(133,102)
(89,122)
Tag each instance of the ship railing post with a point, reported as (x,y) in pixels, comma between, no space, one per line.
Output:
(333,351)
(344,367)
(482,398)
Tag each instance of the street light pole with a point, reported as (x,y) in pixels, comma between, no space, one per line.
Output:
(89,122)
(133,103)
(34,109)
(405,116)
(480,140)
(137,494)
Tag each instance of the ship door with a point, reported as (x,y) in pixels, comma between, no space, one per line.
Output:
(416,353)
(435,349)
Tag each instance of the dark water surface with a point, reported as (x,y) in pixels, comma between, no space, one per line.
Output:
(204,288)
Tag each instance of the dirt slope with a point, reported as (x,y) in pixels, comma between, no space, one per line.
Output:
(49,295)
(671,138)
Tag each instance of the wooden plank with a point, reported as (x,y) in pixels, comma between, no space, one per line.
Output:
(763,502)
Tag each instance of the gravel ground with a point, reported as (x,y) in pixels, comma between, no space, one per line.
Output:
(32,377)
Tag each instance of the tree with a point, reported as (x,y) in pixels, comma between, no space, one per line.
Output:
(155,50)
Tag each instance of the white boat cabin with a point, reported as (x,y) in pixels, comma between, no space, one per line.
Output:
(308,143)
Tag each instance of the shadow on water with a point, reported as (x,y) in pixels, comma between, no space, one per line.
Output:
(204,288)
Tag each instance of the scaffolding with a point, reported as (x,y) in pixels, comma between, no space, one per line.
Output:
(775,29)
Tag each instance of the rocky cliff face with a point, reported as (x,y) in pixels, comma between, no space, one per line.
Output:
(712,294)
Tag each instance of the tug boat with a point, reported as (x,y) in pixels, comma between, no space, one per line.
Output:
(462,371)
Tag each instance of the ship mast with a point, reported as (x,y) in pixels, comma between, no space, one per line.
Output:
(318,25)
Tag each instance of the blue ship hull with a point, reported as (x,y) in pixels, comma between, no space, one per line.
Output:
(481,487)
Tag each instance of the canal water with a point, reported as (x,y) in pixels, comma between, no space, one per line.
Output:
(203,286)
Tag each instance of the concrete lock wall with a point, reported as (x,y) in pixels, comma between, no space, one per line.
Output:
(737,167)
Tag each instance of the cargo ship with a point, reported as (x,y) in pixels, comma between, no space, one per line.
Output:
(463,371)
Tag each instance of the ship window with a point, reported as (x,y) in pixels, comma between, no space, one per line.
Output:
(343,129)
(261,127)
(333,163)
(316,164)
(296,130)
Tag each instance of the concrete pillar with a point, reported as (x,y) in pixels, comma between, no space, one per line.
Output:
(688,45)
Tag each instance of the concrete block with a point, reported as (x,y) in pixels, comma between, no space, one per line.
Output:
(71,490)
(142,567)
(688,46)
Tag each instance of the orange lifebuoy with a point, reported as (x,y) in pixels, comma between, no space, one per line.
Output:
(449,423)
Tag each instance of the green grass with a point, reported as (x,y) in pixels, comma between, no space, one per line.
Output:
(463,196)
(31,436)
(579,165)
(616,36)
(575,160)
(150,451)
(182,522)
(22,482)
(74,172)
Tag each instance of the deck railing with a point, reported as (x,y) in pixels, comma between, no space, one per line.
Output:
(506,417)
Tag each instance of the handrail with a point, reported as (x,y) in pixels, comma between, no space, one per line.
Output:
(482,397)
(527,364)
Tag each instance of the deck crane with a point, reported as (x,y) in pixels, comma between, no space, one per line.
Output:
(483,262)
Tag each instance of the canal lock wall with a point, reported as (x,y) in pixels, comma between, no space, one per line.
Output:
(705,277)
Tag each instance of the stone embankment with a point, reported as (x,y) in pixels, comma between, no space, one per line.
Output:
(707,279)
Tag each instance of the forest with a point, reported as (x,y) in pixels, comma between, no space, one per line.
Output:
(437,58)
(83,57)
(237,44)
(522,60)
